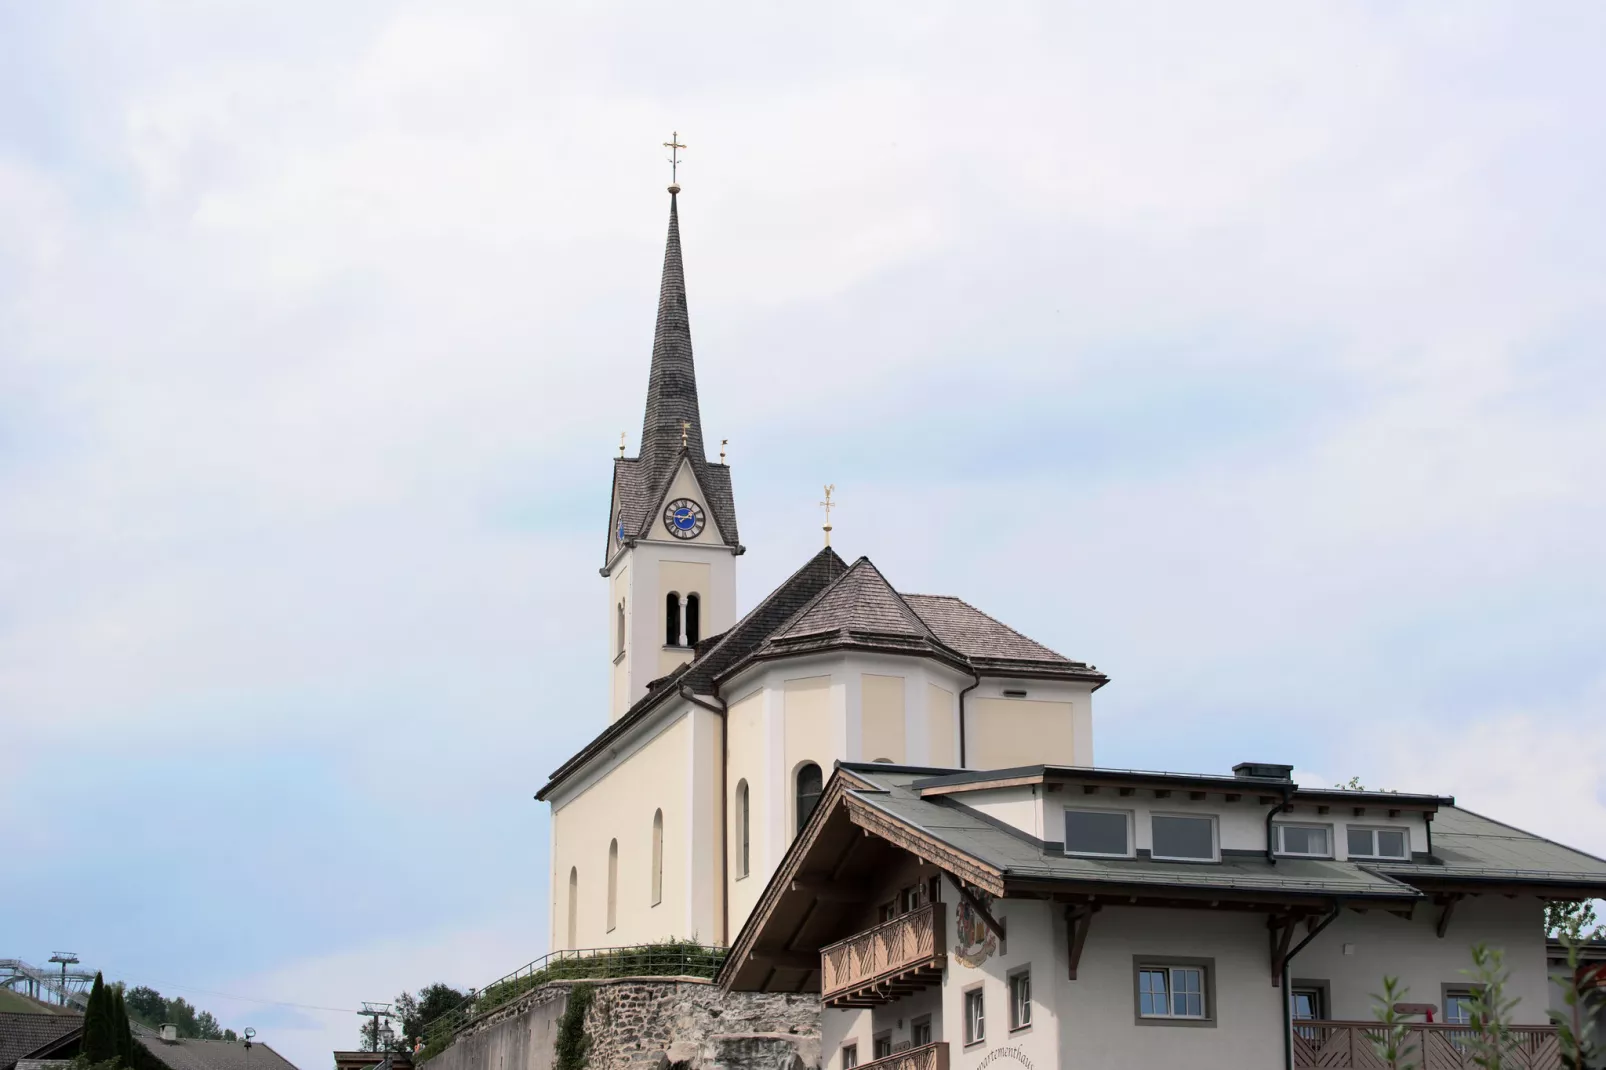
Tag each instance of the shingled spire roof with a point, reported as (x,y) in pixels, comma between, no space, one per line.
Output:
(672,383)
(641,482)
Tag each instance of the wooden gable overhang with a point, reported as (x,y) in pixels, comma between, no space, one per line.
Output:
(823,881)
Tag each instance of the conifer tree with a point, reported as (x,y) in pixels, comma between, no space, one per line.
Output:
(100,1028)
(125,1032)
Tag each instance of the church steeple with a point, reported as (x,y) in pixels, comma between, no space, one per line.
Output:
(672,538)
(672,412)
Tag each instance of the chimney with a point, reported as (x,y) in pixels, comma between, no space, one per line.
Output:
(1263,771)
(169,1034)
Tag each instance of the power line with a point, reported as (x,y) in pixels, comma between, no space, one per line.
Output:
(243,999)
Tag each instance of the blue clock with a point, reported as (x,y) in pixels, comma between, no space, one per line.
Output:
(684,518)
(621,525)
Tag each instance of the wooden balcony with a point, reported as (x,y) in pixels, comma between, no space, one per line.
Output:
(1347,1045)
(925,1057)
(886,963)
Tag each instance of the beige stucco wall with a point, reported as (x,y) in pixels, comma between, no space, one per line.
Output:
(670,658)
(620,805)
(940,730)
(747,762)
(1005,732)
(1354,953)
(618,591)
(810,733)
(881,717)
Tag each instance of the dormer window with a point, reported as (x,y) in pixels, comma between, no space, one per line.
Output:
(1179,838)
(1305,841)
(1378,843)
(1098,833)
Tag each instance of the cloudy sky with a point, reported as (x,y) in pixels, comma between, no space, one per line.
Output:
(1251,355)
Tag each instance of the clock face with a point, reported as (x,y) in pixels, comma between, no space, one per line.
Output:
(620,526)
(684,518)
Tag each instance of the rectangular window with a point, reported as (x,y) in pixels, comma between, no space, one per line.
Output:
(1307,1004)
(1171,991)
(1458,1006)
(1378,843)
(920,1031)
(1312,841)
(975,1017)
(883,1045)
(1189,839)
(850,1056)
(1020,999)
(909,899)
(1097,832)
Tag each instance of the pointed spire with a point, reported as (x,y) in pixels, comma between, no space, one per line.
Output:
(672,385)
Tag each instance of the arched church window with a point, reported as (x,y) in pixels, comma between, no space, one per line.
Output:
(809,784)
(657,858)
(742,853)
(574,907)
(619,629)
(672,619)
(693,623)
(613,885)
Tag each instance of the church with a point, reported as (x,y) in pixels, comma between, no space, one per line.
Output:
(890,800)
(722,731)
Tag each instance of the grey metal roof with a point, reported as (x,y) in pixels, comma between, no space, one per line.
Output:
(1021,858)
(1467,846)
(641,482)
(215,1055)
(1474,847)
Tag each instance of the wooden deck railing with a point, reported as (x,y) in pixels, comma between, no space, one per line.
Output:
(925,1057)
(883,963)
(1349,1046)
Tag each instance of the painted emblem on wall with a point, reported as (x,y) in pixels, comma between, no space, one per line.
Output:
(976,942)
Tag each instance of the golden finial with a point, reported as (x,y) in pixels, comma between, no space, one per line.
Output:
(722,444)
(621,445)
(685,428)
(827,504)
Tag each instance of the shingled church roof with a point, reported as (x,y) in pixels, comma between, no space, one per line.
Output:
(641,482)
(828,605)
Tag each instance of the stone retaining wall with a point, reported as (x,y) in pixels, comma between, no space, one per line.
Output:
(646,1023)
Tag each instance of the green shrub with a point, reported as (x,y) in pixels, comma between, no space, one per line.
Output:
(573,1045)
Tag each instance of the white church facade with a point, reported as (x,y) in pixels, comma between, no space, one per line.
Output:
(892,799)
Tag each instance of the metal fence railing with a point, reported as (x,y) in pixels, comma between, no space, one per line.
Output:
(676,959)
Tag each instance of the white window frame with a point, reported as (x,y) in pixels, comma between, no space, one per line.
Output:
(1404,832)
(1171,970)
(1020,1015)
(850,1055)
(1131,831)
(975,1028)
(1284,851)
(1215,836)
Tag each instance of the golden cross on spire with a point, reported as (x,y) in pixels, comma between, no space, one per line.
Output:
(827,505)
(685,428)
(674,146)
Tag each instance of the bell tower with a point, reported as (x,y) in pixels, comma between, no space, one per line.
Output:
(672,542)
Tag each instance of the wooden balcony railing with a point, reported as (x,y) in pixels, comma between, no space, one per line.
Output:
(885,963)
(925,1057)
(1347,1045)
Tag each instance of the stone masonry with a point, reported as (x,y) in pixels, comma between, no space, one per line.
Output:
(647,1023)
